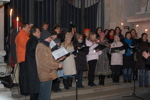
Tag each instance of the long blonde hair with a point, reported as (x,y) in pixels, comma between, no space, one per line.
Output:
(68,37)
(90,36)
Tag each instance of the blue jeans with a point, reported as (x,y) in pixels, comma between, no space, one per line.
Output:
(127,74)
(143,77)
(45,90)
(68,76)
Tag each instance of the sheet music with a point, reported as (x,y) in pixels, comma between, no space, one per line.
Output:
(52,44)
(59,53)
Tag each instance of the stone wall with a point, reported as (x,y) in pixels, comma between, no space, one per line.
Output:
(117,11)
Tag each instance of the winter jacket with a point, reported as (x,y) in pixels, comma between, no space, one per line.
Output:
(92,55)
(80,57)
(102,66)
(69,66)
(21,40)
(141,61)
(46,65)
(33,83)
(117,58)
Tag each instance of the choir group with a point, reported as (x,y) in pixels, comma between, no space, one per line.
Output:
(106,53)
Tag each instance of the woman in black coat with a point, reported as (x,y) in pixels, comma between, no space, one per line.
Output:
(80,59)
(128,58)
(33,83)
(118,32)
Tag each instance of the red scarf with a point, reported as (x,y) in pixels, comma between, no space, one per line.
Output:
(111,37)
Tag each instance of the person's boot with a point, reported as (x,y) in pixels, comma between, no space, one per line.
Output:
(65,82)
(70,81)
(79,85)
(57,85)
(102,80)
(99,77)
(7,81)
(54,86)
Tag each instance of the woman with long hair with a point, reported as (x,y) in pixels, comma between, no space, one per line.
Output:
(118,32)
(128,59)
(110,35)
(80,58)
(116,59)
(98,31)
(69,66)
(102,66)
(136,40)
(106,32)
(92,57)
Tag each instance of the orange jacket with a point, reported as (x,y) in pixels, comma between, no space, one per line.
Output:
(21,40)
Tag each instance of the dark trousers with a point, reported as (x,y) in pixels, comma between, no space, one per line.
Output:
(34,96)
(101,78)
(116,73)
(22,78)
(79,76)
(92,65)
(135,71)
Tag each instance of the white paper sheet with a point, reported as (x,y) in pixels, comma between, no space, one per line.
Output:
(59,53)
(52,44)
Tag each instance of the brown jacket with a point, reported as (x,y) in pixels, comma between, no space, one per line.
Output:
(46,65)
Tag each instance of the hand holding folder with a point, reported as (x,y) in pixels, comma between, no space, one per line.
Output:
(116,49)
(100,47)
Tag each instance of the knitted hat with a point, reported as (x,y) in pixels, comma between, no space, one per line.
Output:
(45,35)
(86,29)
(53,33)
(15,24)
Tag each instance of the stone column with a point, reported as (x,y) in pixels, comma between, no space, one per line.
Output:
(107,13)
(143,5)
(2,28)
(2,51)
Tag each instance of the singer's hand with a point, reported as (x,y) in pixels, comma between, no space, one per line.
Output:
(62,58)
(131,52)
(79,47)
(145,55)
(60,65)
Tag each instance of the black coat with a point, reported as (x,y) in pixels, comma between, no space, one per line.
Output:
(148,60)
(80,59)
(141,61)
(33,83)
(121,37)
(13,45)
(128,61)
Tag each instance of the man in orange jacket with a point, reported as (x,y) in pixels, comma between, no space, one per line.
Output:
(21,40)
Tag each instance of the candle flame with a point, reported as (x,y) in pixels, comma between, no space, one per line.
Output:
(11,11)
(121,24)
(137,25)
(17,19)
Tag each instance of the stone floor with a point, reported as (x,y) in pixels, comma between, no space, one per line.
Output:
(107,92)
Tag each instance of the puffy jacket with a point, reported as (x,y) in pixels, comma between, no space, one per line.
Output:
(21,40)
